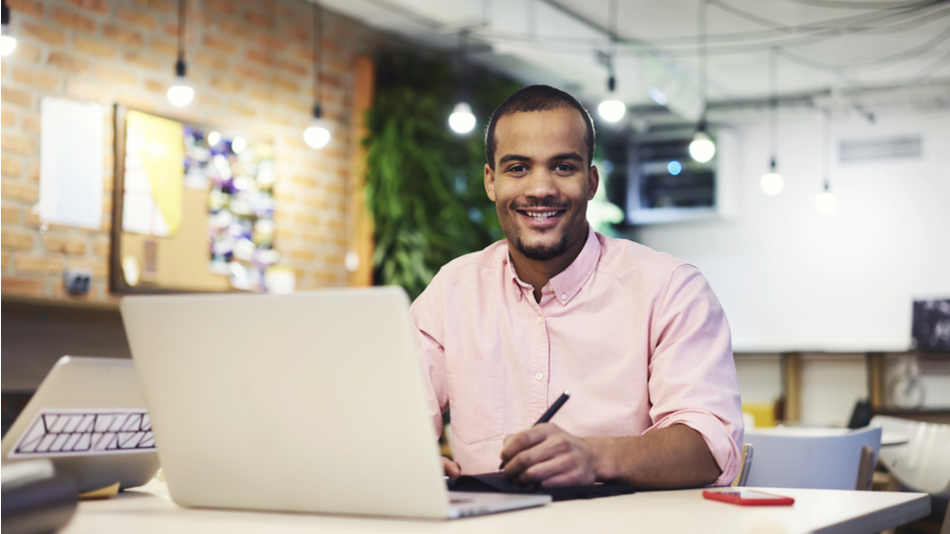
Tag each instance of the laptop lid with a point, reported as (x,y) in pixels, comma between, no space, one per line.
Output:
(88,417)
(311,402)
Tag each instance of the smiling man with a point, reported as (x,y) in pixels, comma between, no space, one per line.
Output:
(637,336)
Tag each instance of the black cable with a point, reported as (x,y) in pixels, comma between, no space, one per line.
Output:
(701,49)
(773,106)
(317,34)
(181,30)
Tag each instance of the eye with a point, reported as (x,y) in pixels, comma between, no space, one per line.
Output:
(564,167)
(517,168)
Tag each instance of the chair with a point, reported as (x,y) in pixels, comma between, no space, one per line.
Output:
(816,458)
(745,465)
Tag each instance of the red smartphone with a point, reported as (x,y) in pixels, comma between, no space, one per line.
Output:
(747,497)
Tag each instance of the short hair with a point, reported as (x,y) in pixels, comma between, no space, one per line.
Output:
(537,98)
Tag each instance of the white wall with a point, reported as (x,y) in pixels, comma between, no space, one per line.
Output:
(793,279)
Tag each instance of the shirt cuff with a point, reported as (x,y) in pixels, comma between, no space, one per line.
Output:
(717,436)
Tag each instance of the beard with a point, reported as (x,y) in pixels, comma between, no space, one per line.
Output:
(542,252)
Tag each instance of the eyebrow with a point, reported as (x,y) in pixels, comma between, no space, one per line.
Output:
(571,156)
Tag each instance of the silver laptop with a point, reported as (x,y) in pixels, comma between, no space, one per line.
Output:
(308,402)
(89,418)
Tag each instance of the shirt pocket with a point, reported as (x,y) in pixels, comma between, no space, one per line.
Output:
(476,398)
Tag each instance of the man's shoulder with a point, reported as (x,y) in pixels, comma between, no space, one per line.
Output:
(620,255)
(493,256)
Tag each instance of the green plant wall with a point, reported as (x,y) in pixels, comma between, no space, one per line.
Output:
(425,185)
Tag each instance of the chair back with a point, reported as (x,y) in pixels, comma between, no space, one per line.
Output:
(745,465)
(920,455)
(816,458)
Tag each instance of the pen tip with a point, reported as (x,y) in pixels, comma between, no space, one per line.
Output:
(567,392)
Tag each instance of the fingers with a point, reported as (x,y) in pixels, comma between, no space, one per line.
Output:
(553,458)
(515,443)
(451,467)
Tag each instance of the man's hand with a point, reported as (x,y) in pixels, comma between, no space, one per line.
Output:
(547,456)
(451,467)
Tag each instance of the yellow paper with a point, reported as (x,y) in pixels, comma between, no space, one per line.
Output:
(155,147)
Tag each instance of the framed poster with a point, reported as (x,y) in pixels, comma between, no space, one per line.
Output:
(193,208)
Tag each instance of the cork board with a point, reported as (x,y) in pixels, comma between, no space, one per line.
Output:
(181,220)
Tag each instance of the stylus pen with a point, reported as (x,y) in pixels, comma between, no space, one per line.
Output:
(549,413)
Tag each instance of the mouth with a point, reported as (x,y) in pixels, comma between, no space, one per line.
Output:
(542,217)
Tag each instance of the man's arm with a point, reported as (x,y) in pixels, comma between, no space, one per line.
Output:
(673,457)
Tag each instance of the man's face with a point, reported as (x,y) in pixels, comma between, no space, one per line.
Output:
(542,182)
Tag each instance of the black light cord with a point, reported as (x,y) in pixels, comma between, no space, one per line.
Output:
(703,59)
(317,58)
(181,30)
(773,106)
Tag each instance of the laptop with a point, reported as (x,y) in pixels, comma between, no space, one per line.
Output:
(88,417)
(305,402)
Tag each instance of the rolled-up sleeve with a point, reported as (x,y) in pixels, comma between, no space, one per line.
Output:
(428,321)
(692,376)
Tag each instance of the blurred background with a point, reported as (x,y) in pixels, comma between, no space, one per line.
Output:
(793,150)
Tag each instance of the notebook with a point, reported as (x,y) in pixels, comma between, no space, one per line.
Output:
(88,417)
(307,402)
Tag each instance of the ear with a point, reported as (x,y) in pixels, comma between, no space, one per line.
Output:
(490,182)
(593,180)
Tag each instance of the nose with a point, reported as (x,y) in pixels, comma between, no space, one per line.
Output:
(541,184)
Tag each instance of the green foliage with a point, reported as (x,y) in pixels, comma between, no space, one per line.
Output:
(425,184)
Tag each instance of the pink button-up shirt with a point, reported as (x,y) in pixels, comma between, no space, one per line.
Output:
(637,336)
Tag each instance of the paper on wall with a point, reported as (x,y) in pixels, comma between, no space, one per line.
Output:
(71,163)
(154,173)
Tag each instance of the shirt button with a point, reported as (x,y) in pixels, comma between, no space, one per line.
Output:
(540,319)
(538,376)
(564,296)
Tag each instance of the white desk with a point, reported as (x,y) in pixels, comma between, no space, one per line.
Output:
(148,510)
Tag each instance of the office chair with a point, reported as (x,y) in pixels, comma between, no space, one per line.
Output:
(817,458)
(745,465)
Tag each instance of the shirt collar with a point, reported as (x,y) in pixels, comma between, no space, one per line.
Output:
(568,282)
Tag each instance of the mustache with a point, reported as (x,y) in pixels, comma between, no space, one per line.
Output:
(542,205)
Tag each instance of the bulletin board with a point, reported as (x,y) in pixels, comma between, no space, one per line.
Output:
(192,207)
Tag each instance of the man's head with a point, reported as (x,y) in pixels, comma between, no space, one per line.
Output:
(540,144)
(537,98)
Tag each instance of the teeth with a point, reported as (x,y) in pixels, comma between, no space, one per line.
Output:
(542,216)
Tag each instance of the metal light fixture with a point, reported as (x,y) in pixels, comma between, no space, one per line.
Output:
(181,94)
(772,182)
(702,148)
(611,109)
(7,41)
(317,135)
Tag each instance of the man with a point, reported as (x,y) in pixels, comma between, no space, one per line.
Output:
(637,336)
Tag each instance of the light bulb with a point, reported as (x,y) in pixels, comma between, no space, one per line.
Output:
(772,183)
(317,134)
(214,138)
(238,144)
(7,45)
(826,202)
(462,120)
(674,167)
(702,148)
(612,110)
(181,93)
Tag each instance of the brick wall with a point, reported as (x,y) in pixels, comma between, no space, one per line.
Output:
(251,64)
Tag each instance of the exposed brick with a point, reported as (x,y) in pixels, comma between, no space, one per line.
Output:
(97,6)
(245,72)
(258,19)
(226,46)
(72,19)
(93,47)
(18,285)
(302,254)
(17,144)
(99,269)
(329,80)
(27,7)
(4,259)
(31,123)
(34,173)
(262,95)
(304,181)
(32,219)
(306,218)
(242,109)
(88,91)
(170,29)
(257,56)
(224,7)
(122,35)
(64,244)
(298,34)
(329,46)
(272,42)
(138,101)
(44,33)
(16,239)
(9,118)
(161,6)
(292,67)
(10,214)
(101,249)
(37,265)
(284,233)
(163,47)
(228,85)
(137,18)
(114,75)
(211,61)
(18,97)
(234,28)
(146,61)
(286,84)
(156,86)
(41,79)
(67,62)
(28,52)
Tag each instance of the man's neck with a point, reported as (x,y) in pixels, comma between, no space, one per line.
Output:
(538,273)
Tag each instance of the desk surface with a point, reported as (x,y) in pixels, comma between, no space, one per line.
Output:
(149,510)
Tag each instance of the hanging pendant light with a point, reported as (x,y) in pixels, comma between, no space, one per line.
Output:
(611,109)
(318,134)
(181,94)
(771,182)
(462,120)
(7,41)
(702,148)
